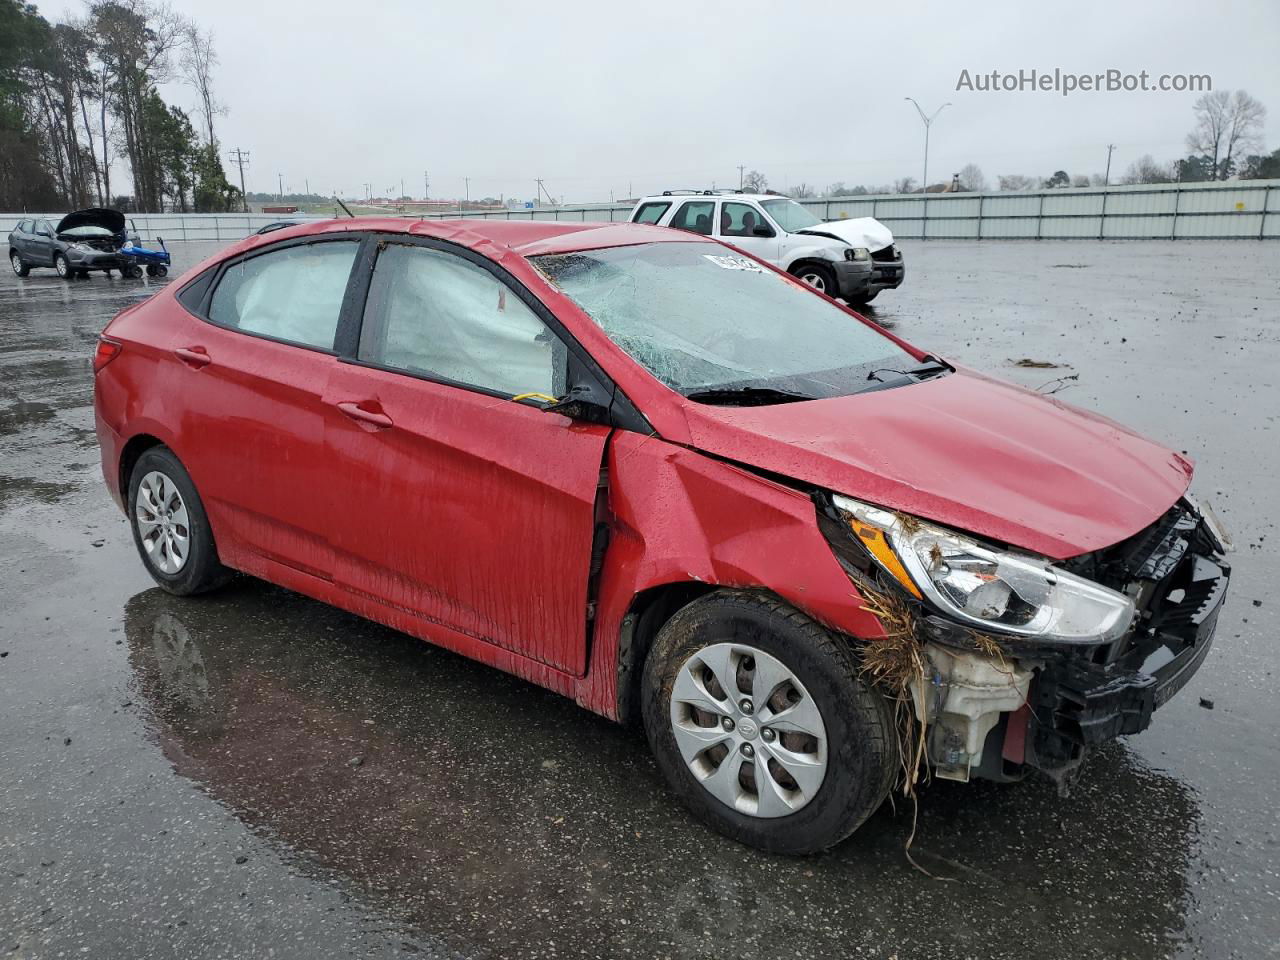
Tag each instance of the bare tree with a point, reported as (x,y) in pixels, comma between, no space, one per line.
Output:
(198,60)
(802,191)
(837,189)
(1079,180)
(971,178)
(755,182)
(905,185)
(1146,170)
(1227,125)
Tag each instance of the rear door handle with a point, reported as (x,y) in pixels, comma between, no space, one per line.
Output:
(357,412)
(193,356)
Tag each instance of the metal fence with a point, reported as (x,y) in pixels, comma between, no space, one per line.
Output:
(1240,209)
(1244,209)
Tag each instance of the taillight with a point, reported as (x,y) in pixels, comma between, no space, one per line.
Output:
(107,351)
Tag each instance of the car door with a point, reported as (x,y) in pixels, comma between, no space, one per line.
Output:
(453,500)
(42,246)
(746,227)
(247,385)
(20,239)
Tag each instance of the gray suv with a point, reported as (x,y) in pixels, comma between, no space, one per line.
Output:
(82,241)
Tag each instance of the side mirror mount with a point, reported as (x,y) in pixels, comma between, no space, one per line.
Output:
(582,402)
(762,231)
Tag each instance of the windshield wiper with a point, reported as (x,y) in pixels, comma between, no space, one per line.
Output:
(930,368)
(746,396)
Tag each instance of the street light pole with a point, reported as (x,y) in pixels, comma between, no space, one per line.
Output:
(927,119)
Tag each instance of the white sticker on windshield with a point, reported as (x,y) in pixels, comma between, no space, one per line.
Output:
(734,263)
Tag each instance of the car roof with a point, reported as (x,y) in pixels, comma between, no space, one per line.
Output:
(526,238)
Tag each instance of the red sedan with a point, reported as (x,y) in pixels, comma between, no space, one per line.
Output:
(649,472)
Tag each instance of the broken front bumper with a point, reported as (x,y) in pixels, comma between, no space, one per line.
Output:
(1068,699)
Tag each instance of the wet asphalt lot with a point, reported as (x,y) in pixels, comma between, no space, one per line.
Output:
(253,774)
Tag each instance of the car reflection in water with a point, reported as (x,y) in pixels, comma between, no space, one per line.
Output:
(475,806)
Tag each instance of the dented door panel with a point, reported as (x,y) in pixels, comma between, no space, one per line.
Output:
(468,510)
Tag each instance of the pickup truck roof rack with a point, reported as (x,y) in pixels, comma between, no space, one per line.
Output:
(699,193)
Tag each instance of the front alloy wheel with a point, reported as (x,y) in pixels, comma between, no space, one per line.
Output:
(19,268)
(62,266)
(819,277)
(760,721)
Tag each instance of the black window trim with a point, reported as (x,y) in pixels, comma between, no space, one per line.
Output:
(580,363)
(664,204)
(201,309)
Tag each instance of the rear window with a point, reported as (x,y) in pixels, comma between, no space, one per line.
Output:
(651,212)
(695,216)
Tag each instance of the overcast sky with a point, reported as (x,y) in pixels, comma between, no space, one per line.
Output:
(631,98)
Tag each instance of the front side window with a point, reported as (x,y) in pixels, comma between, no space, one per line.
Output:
(701,318)
(741,220)
(789,214)
(651,212)
(695,216)
(442,316)
(294,294)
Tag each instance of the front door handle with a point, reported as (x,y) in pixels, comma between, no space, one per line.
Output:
(357,412)
(193,356)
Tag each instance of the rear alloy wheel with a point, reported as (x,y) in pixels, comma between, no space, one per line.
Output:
(759,720)
(62,266)
(170,527)
(817,276)
(19,268)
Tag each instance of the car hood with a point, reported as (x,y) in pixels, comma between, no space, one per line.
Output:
(857,232)
(112,220)
(966,451)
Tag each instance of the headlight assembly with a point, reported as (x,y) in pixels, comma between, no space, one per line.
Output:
(984,586)
(857,253)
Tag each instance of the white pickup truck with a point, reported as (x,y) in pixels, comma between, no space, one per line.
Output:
(852,259)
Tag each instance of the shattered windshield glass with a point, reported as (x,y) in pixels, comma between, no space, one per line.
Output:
(701,319)
(790,215)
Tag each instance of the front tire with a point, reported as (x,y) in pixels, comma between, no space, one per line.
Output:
(62,266)
(19,268)
(760,722)
(170,527)
(822,279)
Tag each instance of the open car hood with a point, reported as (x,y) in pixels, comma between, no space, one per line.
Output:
(112,220)
(965,451)
(857,232)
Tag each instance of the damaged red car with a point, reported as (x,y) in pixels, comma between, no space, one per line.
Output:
(651,473)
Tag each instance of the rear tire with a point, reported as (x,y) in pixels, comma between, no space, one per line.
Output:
(19,268)
(763,644)
(822,279)
(62,266)
(170,527)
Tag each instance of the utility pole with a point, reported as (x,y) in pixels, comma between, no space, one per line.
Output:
(241,159)
(741,170)
(280,176)
(542,191)
(368,192)
(402,186)
(426,185)
(306,185)
(467,186)
(928,122)
(1106,177)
